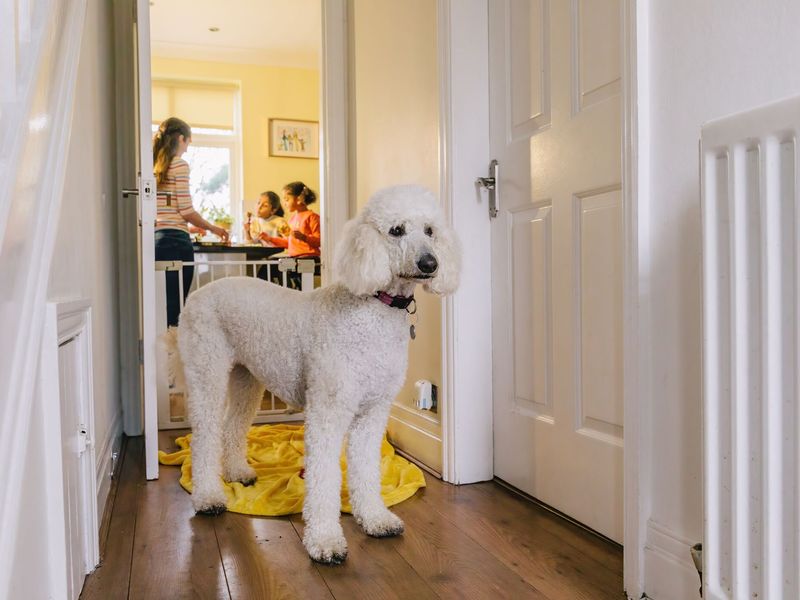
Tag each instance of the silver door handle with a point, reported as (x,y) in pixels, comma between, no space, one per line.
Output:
(491,184)
(135,192)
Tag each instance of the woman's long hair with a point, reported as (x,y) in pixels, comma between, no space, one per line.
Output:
(165,145)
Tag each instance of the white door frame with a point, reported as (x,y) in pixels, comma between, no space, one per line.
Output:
(467,386)
(334,89)
(463,42)
(637,345)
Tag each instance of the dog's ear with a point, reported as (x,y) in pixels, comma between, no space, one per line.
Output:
(362,260)
(447,249)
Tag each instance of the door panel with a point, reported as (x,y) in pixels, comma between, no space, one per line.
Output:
(136,228)
(146,185)
(69,382)
(557,254)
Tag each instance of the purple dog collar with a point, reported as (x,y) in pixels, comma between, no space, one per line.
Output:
(397,301)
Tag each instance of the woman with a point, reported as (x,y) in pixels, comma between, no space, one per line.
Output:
(174,208)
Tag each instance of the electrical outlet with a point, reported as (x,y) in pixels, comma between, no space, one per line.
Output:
(427,393)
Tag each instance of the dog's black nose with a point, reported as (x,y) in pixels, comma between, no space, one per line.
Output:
(427,263)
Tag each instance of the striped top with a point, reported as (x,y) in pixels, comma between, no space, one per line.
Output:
(174,201)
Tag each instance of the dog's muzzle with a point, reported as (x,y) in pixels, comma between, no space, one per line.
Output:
(427,264)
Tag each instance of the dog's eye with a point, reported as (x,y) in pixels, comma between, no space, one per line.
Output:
(428,230)
(398,231)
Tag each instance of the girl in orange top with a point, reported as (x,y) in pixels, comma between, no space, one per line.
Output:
(304,239)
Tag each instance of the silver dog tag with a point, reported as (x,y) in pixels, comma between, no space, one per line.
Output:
(412,332)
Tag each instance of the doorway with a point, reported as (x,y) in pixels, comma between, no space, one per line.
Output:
(247,82)
(138,347)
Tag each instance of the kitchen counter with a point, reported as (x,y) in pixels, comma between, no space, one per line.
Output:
(253,252)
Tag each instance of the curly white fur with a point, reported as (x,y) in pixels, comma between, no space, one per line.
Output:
(337,352)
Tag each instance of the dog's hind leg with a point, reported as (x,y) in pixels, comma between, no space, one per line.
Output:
(244,396)
(327,421)
(363,473)
(206,384)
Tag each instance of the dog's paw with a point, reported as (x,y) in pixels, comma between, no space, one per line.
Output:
(328,548)
(246,475)
(211,511)
(211,504)
(384,524)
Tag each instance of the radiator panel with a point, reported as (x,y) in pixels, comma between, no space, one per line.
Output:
(749,166)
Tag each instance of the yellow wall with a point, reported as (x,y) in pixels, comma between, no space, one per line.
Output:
(266,92)
(396,96)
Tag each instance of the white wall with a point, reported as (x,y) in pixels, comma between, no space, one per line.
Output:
(395,95)
(83,266)
(708,59)
(85,260)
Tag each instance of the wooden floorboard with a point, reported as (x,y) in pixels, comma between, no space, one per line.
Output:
(110,580)
(450,561)
(174,549)
(585,542)
(263,558)
(546,551)
(373,568)
(474,541)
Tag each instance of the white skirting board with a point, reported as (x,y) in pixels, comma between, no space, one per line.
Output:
(669,571)
(105,452)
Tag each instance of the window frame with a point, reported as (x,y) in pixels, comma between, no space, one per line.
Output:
(232,142)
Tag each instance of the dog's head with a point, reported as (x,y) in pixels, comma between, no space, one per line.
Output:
(400,234)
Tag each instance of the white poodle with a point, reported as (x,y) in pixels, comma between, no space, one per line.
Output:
(339,353)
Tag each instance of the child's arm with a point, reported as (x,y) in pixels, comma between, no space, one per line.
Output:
(276,241)
(311,234)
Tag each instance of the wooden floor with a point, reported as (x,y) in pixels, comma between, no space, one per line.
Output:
(473,541)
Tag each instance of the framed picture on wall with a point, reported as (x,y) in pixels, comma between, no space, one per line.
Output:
(294,139)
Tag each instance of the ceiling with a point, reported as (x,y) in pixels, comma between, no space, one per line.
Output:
(283,33)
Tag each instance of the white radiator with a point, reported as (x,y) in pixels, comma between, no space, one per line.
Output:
(749,169)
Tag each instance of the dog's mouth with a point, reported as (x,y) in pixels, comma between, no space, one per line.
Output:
(417,276)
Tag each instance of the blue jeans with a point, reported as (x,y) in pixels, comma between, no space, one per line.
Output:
(174,244)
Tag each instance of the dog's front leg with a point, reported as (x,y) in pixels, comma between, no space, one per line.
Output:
(363,472)
(326,423)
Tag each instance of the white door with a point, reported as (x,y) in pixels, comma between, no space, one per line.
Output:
(555,103)
(132,29)
(69,385)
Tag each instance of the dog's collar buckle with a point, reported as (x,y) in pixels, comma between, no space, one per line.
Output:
(398,301)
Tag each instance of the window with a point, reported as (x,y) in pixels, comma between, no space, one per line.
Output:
(214,156)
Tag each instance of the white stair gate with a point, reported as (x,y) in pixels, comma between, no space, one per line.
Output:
(749,168)
(208,268)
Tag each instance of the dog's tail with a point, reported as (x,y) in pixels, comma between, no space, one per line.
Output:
(169,340)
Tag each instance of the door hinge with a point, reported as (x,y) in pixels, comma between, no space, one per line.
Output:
(491,184)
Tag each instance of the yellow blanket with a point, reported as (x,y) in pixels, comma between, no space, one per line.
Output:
(276,453)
